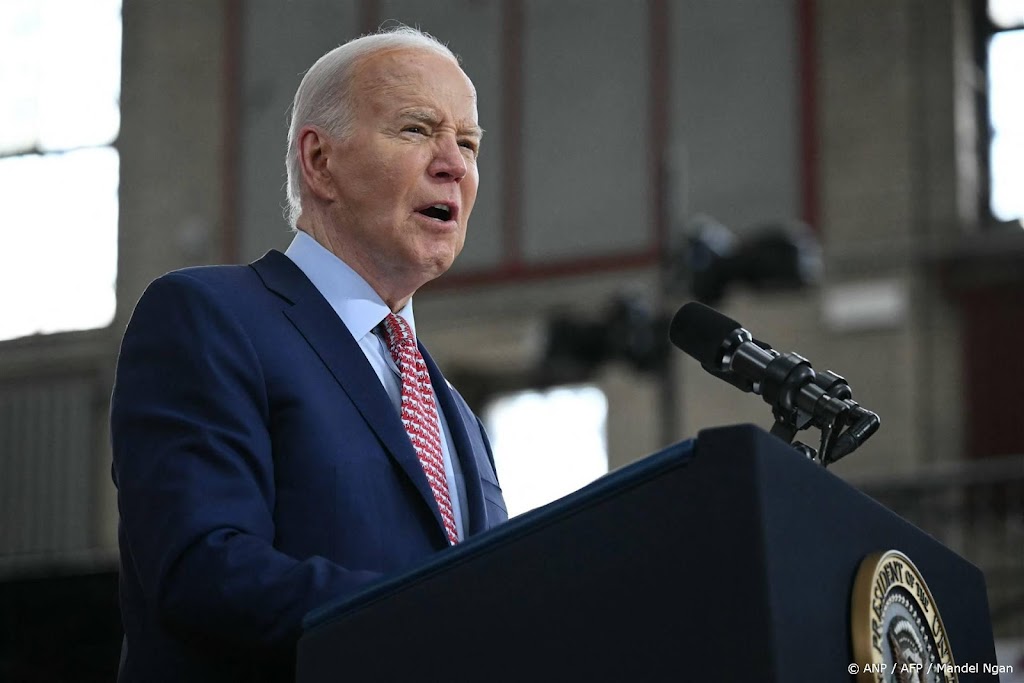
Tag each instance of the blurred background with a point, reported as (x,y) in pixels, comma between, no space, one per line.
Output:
(843,177)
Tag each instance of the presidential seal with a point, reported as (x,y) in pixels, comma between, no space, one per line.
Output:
(898,636)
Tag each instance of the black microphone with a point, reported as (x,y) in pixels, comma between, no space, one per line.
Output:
(799,396)
(718,342)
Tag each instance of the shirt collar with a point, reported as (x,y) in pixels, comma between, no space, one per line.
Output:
(351,297)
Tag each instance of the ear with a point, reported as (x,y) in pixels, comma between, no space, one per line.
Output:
(315,149)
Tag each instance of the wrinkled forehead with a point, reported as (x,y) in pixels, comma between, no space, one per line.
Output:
(413,72)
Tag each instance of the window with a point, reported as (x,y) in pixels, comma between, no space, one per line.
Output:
(60,75)
(547,444)
(1003,57)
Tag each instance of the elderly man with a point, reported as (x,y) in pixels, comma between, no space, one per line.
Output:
(280,439)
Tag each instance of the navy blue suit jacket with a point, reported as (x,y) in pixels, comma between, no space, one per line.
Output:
(261,470)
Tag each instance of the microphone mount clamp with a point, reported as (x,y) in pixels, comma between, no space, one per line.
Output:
(802,398)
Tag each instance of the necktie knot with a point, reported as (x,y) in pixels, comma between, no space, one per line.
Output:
(398,335)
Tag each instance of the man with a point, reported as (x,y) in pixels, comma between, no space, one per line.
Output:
(261,414)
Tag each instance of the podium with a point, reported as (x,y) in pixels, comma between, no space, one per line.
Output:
(729,557)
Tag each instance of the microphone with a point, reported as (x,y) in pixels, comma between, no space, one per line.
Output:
(799,396)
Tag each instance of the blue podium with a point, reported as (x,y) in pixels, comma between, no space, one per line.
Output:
(729,557)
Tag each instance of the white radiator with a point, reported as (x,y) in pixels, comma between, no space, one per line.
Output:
(48,444)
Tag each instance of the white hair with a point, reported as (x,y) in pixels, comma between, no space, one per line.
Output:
(324,97)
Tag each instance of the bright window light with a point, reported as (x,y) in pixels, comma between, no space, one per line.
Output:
(1006,13)
(60,74)
(547,444)
(59,259)
(1006,104)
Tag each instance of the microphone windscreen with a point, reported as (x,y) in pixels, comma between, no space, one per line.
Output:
(700,330)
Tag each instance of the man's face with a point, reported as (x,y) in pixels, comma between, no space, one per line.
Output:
(405,177)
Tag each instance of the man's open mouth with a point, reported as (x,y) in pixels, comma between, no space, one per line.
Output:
(440,212)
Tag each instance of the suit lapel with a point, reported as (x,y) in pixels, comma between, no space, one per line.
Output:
(326,333)
(461,447)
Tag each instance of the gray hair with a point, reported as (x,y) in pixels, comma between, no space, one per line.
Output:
(324,98)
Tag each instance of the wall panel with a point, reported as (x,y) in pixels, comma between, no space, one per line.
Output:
(735,111)
(586,137)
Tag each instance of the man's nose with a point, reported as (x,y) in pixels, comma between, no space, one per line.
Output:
(449,162)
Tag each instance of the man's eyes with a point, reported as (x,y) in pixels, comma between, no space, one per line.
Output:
(468,143)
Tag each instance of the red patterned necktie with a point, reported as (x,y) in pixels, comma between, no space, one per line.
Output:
(419,414)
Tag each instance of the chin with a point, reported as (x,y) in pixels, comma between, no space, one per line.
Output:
(441,260)
(440,267)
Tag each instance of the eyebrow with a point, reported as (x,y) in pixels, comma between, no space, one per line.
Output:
(429,117)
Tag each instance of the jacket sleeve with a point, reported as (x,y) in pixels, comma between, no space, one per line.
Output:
(194,467)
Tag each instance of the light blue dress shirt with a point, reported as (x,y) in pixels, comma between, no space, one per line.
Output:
(362,310)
